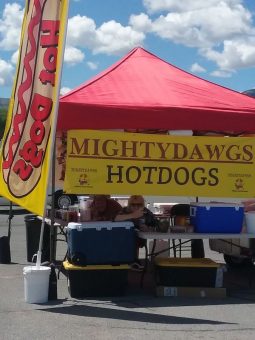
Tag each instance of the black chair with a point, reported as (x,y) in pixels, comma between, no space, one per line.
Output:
(197,246)
(178,210)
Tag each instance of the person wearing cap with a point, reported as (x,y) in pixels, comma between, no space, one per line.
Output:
(104,208)
(143,219)
(136,212)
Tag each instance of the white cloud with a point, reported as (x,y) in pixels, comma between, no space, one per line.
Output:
(223,31)
(196,68)
(14,57)
(64,90)
(113,38)
(221,74)
(140,22)
(10,26)
(205,27)
(153,6)
(238,53)
(92,65)
(73,55)
(81,31)
(110,38)
(6,73)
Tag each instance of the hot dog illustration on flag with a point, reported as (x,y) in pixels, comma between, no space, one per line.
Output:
(31,121)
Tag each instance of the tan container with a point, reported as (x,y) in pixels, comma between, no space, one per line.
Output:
(191,292)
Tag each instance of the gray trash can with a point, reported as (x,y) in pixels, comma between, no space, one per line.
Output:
(33,230)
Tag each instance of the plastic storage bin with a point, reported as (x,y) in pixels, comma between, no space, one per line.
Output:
(185,272)
(216,217)
(95,243)
(101,280)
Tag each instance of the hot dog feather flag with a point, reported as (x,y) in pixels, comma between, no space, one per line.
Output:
(26,148)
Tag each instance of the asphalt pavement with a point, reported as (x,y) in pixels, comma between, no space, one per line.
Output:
(136,315)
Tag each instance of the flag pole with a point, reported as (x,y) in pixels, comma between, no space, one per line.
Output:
(52,140)
(53,231)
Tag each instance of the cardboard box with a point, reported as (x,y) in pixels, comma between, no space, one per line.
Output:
(191,292)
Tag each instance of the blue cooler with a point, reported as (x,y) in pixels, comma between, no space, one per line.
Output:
(95,243)
(217,217)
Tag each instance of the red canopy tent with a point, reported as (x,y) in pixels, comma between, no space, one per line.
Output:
(144,91)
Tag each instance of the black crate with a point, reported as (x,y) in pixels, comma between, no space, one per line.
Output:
(96,281)
(185,272)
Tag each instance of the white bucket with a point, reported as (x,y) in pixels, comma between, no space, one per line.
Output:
(36,283)
(250,222)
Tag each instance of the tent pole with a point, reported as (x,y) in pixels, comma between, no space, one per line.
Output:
(10,221)
(53,228)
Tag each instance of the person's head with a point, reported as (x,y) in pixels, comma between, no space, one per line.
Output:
(135,202)
(100,202)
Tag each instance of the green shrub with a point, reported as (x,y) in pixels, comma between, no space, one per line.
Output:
(3,114)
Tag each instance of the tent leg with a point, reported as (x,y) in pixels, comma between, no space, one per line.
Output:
(10,221)
(53,228)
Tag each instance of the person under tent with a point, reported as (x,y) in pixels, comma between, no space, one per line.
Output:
(104,208)
(143,219)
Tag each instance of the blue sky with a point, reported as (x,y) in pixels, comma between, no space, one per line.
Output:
(213,39)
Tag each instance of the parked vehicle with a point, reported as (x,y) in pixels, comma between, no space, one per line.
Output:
(4,202)
(236,252)
(62,199)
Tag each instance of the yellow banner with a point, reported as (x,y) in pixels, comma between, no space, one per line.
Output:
(129,163)
(30,127)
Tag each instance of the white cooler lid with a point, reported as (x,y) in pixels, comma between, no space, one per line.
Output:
(217,204)
(100,225)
